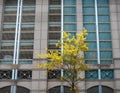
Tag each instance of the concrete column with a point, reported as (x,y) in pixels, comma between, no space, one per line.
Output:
(39,77)
(115,31)
(79,16)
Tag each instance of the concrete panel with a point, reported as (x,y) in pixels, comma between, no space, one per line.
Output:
(113,8)
(36,74)
(117,73)
(117,63)
(115,35)
(117,83)
(115,44)
(108,84)
(1,2)
(43,44)
(43,85)
(25,84)
(43,74)
(91,84)
(113,17)
(79,16)
(114,26)
(39,2)
(4,84)
(116,53)
(35,85)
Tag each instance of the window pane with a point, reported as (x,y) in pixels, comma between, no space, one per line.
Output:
(91,74)
(91,36)
(69,27)
(104,27)
(89,10)
(69,2)
(103,10)
(105,45)
(69,10)
(90,27)
(103,19)
(91,55)
(103,2)
(107,74)
(69,18)
(88,2)
(107,55)
(105,36)
(92,45)
(106,61)
(89,18)
(91,61)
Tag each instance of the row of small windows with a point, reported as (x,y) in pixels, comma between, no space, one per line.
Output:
(66,2)
(56,74)
(89,75)
(101,27)
(94,74)
(22,74)
(94,89)
(92,2)
(14,2)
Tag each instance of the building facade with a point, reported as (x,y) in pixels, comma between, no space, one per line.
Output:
(27,27)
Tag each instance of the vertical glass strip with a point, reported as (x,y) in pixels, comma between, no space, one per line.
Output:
(100,88)
(62,87)
(97,33)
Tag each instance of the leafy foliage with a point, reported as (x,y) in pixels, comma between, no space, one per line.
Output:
(70,59)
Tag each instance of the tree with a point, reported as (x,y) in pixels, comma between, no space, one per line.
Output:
(70,59)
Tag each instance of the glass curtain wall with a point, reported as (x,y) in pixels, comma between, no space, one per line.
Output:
(96,19)
(7,46)
(62,16)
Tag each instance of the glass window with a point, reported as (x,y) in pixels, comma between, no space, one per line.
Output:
(89,10)
(54,36)
(106,61)
(69,10)
(92,45)
(103,19)
(91,36)
(89,18)
(103,10)
(88,2)
(26,61)
(24,74)
(91,61)
(69,27)
(105,36)
(5,74)
(91,74)
(107,74)
(106,55)
(104,27)
(90,27)
(54,74)
(54,2)
(54,18)
(103,2)
(91,55)
(105,45)
(69,18)
(69,2)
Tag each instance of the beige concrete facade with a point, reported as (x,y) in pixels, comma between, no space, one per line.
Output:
(39,82)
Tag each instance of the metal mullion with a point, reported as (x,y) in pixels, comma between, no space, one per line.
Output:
(98,47)
(62,24)
(14,71)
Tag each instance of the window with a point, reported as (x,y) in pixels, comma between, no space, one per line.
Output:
(104,74)
(103,89)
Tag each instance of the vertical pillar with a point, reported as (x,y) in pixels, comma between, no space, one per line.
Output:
(39,77)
